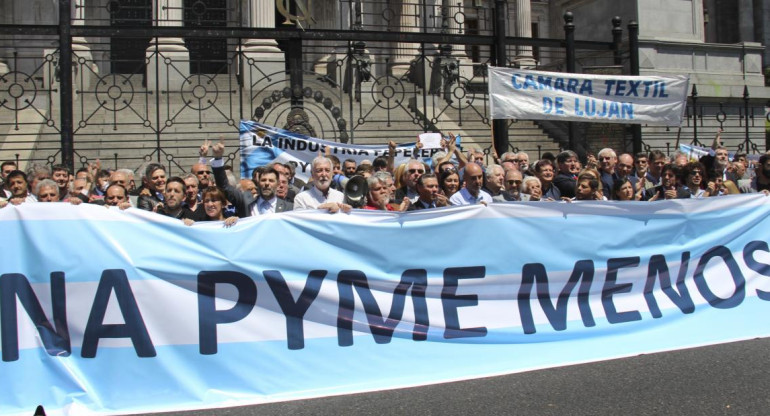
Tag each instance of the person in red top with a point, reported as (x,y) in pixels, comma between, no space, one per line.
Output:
(378,197)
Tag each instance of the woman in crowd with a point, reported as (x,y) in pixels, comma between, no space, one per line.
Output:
(449,182)
(531,189)
(214,203)
(623,190)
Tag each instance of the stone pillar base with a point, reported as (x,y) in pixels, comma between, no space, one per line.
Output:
(84,70)
(173,64)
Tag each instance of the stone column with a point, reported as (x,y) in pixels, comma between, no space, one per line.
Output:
(524,57)
(261,58)
(86,68)
(746,20)
(406,52)
(169,54)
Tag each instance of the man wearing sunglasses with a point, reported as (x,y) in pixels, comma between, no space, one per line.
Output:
(203,173)
(414,169)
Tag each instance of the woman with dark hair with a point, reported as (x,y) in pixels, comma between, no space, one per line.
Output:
(449,182)
(623,190)
(214,203)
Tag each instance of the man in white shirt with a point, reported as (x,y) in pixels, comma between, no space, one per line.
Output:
(472,193)
(321,196)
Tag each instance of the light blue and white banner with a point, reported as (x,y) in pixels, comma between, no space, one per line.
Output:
(696,152)
(537,95)
(262,144)
(105,311)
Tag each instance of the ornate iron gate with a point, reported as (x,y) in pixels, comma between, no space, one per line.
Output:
(149,85)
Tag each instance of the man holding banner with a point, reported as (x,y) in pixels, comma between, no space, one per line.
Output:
(321,196)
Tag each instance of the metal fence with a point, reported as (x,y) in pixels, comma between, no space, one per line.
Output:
(148,85)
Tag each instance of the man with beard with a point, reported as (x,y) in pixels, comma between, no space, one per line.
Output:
(566,179)
(268,202)
(669,187)
(246,204)
(513,181)
(321,196)
(378,197)
(349,167)
(172,205)
(761,182)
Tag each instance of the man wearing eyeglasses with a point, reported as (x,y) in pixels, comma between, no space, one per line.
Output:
(472,193)
(414,169)
(512,192)
(203,173)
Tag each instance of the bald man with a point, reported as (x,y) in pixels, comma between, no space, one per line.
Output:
(472,193)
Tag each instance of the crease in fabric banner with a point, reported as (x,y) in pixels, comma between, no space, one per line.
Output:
(108,312)
(539,95)
(261,144)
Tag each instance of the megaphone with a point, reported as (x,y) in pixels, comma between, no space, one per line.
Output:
(356,189)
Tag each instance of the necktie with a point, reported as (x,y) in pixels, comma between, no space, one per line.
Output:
(264,207)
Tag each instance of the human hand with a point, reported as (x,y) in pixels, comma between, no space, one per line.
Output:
(204,149)
(218,149)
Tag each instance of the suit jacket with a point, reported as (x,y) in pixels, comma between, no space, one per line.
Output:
(416,206)
(244,201)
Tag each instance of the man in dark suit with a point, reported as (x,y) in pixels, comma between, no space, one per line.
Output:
(245,203)
(427,188)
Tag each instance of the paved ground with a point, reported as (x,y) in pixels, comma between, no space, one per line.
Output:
(727,379)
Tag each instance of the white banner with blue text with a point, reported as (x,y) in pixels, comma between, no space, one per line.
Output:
(537,95)
(106,312)
(262,144)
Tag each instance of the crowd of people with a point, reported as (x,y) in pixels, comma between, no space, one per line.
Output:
(211,192)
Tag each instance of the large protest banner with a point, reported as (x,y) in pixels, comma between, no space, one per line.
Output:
(537,95)
(262,144)
(105,312)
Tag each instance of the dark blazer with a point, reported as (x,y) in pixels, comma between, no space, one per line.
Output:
(416,206)
(243,201)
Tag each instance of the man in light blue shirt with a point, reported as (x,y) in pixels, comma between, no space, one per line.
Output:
(472,193)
